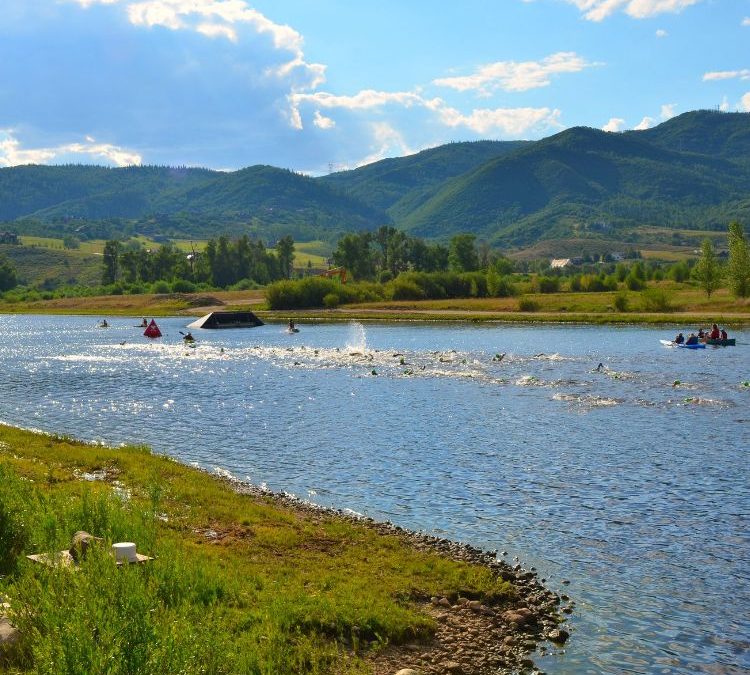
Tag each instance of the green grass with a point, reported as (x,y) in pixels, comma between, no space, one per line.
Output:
(269,590)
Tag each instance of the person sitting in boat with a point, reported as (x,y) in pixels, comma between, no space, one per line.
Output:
(144,323)
(723,334)
(701,334)
(680,339)
(692,340)
(104,324)
(715,333)
(188,337)
(291,325)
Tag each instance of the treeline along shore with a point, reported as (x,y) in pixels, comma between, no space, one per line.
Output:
(237,579)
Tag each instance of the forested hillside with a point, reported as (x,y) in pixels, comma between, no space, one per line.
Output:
(689,173)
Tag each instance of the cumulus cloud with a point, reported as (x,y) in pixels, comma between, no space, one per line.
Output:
(509,121)
(746,21)
(661,33)
(219,18)
(614,124)
(646,123)
(745,102)
(512,121)
(667,111)
(386,142)
(323,122)
(515,76)
(12,154)
(598,10)
(743,74)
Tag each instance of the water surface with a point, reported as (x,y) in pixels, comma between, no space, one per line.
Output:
(631,487)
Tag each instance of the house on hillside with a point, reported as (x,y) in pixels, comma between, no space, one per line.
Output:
(559,263)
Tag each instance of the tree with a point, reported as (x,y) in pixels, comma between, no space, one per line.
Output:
(738,268)
(8,277)
(707,270)
(463,254)
(353,252)
(111,261)
(285,254)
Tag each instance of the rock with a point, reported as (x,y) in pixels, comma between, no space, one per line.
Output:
(558,636)
(8,632)
(444,602)
(80,544)
(474,605)
(453,668)
(407,671)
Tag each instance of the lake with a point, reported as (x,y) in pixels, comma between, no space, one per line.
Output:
(630,482)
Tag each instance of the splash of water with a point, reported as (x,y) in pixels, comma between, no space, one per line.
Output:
(357,339)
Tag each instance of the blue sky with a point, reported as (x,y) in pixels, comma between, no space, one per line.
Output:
(314,84)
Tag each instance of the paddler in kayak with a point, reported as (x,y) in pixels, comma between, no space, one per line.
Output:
(104,324)
(680,339)
(188,337)
(692,340)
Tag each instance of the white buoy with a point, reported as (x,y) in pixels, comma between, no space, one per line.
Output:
(125,552)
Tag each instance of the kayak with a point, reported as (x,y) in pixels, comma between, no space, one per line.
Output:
(700,345)
(292,330)
(729,342)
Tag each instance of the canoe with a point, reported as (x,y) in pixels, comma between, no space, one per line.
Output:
(729,342)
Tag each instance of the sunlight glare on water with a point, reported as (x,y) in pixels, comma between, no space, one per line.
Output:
(630,481)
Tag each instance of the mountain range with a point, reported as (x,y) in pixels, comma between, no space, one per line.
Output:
(691,172)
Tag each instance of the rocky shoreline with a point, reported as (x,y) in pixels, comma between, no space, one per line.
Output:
(472,637)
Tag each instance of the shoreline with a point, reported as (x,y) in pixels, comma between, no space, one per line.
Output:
(474,633)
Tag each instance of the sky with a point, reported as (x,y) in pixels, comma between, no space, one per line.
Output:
(325,85)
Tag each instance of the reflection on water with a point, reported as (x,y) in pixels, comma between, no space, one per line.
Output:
(628,480)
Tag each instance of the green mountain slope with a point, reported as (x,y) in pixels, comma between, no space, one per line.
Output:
(398,185)
(583,176)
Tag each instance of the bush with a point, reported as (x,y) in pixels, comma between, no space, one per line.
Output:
(244,285)
(528,305)
(656,300)
(621,302)
(405,289)
(160,287)
(385,276)
(547,284)
(183,286)
(634,283)
(331,301)
(310,292)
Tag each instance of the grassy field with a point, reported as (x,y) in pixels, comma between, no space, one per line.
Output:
(685,306)
(239,584)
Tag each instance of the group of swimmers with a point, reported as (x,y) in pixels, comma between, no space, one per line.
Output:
(714,334)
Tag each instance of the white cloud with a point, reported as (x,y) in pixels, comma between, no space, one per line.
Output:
(219,18)
(667,111)
(214,30)
(745,102)
(743,74)
(746,21)
(614,124)
(661,33)
(12,154)
(387,142)
(513,76)
(597,10)
(645,123)
(323,122)
(510,121)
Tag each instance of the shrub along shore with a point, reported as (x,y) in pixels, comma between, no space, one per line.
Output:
(242,580)
(684,307)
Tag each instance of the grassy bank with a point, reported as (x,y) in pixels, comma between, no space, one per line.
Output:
(685,306)
(240,584)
